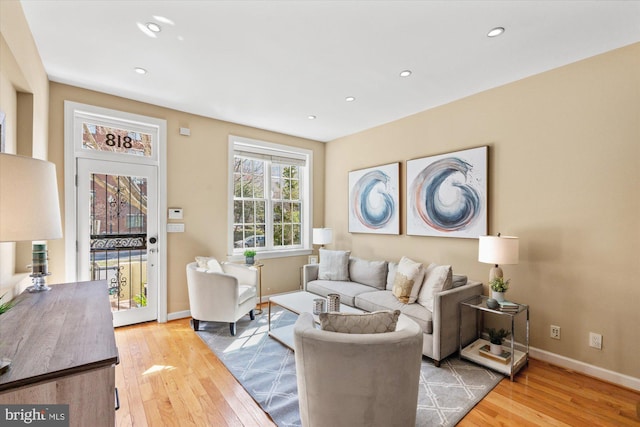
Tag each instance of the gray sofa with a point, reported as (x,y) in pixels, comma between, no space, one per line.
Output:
(439,327)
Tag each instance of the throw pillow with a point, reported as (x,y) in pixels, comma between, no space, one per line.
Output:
(408,276)
(438,278)
(366,323)
(214,266)
(391,275)
(202,261)
(334,265)
(370,273)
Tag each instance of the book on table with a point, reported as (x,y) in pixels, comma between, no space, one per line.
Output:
(504,357)
(508,306)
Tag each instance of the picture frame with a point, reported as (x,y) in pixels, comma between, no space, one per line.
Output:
(313,259)
(374,200)
(446,194)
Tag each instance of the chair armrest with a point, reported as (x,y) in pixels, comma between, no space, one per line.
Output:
(445,319)
(246,275)
(309,273)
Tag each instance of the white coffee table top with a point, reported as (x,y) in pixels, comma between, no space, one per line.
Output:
(302,301)
(298,302)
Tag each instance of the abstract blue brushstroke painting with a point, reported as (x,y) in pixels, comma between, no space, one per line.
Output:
(374,200)
(447,194)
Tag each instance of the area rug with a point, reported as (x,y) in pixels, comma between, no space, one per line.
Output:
(266,369)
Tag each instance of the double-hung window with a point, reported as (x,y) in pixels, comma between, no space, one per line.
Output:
(269,202)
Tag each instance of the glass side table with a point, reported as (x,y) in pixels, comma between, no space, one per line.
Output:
(519,352)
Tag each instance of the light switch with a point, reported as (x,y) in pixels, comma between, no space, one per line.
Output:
(175,228)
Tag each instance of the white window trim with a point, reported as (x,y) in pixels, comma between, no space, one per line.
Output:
(306,196)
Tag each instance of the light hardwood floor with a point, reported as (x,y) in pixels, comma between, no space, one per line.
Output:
(168,377)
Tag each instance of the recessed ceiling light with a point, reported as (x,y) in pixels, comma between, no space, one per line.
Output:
(152,26)
(350,98)
(405,73)
(311,117)
(495,32)
(140,70)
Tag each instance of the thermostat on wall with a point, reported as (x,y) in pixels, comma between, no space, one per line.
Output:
(175,213)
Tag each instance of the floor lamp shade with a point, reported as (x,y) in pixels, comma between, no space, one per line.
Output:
(322,236)
(29,206)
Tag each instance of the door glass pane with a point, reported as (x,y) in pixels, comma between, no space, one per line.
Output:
(103,138)
(118,250)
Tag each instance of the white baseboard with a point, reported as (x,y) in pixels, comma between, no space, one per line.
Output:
(586,369)
(179,315)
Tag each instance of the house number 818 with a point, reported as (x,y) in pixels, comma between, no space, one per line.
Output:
(120,142)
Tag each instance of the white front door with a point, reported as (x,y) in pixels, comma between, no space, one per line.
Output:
(117,233)
(115,192)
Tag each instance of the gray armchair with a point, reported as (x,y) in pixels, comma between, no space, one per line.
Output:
(357,379)
(222,297)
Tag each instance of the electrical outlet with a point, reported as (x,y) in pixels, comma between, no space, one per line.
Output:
(595,340)
(555,332)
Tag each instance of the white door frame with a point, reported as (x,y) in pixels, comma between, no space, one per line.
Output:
(71,110)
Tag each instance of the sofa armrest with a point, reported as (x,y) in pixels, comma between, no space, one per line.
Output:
(309,273)
(445,319)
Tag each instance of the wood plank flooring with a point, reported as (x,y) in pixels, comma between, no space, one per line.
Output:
(168,377)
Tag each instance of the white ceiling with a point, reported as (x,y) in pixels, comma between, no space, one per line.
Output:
(271,64)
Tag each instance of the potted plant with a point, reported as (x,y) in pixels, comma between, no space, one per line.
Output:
(248,256)
(498,287)
(5,306)
(496,338)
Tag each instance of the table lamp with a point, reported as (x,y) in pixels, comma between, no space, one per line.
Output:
(322,236)
(29,207)
(498,250)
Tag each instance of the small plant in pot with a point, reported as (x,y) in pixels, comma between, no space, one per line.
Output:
(249,255)
(496,338)
(498,287)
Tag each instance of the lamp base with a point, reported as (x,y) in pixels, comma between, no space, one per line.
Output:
(39,284)
(495,272)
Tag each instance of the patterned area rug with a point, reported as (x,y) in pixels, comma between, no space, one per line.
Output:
(266,369)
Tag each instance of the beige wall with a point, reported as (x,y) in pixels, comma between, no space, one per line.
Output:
(22,77)
(197,182)
(564,175)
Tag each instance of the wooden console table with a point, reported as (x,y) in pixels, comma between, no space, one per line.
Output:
(63,351)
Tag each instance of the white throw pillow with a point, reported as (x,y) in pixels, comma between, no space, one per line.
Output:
(437,278)
(202,261)
(391,274)
(214,266)
(408,280)
(334,265)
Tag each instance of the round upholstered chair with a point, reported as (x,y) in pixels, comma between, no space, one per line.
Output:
(352,379)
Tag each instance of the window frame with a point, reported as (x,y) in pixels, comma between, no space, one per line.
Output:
(262,148)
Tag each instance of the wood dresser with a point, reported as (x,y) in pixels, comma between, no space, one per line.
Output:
(63,351)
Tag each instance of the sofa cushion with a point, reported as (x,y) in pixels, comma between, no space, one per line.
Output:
(208,264)
(246,292)
(392,268)
(458,280)
(334,265)
(408,280)
(437,279)
(371,273)
(346,290)
(360,323)
(385,300)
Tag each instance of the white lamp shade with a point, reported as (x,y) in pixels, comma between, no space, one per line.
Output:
(322,236)
(29,207)
(498,250)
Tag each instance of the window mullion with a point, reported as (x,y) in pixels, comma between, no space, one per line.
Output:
(268,215)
